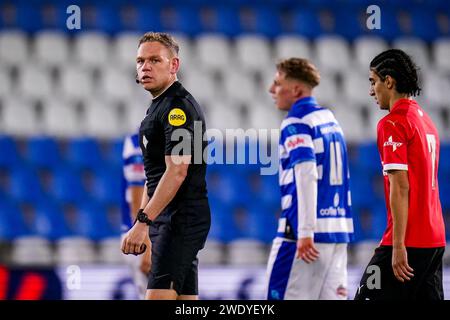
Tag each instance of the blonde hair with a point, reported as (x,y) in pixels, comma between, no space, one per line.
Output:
(300,69)
(164,38)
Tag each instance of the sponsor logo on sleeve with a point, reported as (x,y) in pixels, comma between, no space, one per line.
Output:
(393,144)
(296,141)
(177,117)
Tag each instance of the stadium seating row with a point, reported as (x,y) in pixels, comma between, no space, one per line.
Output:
(308,18)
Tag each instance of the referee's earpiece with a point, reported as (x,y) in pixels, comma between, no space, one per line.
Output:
(137,79)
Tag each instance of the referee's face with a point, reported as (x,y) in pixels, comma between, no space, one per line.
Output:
(156,66)
(283,91)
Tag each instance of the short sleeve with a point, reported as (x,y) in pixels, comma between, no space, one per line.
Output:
(394,144)
(296,140)
(178,123)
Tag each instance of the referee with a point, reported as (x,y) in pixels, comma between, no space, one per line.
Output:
(174,208)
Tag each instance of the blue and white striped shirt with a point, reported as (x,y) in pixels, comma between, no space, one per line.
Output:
(311,133)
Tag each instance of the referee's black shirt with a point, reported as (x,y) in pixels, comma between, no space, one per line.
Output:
(174,109)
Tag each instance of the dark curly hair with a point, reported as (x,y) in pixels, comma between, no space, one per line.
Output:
(399,65)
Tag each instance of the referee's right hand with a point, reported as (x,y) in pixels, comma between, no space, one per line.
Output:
(134,240)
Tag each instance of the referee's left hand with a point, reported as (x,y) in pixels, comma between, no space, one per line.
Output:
(134,240)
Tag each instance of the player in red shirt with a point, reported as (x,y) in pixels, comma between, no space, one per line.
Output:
(408,261)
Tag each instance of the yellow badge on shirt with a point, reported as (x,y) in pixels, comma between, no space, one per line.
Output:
(177,117)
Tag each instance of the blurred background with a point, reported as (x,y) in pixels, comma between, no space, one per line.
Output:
(68,97)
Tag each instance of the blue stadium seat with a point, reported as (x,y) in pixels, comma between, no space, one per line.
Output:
(361,187)
(42,152)
(368,157)
(148,18)
(25,186)
(27,17)
(220,222)
(11,221)
(50,222)
(348,23)
(84,153)
(108,18)
(114,152)
(306,23)
(444,189)
(66,186)
(390,27)
(424,24)
(9,153)
(444,158)
(268,21)
(107,187)
(182,19)
(263,222)
(92,222)
(227,21)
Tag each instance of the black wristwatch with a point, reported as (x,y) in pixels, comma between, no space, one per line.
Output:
(142,217)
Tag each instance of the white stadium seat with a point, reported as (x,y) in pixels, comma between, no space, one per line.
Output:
(333,54)
(101,119)
(356,86)
(223,115)
(13,48)
(247,252)
(32,251)
(6,85)
(292,46)
(60,118)
(19,117)
(135,113)
(213,51)
(75,250)
(366,48)
(327,92)
(239,85)
(125,48)
(35,82)
(92,49)
(350,119)
(201,84)
(435,85)
(76,82)
(441,50)
(51,48)
(117,84)
(253,52)
(414,47)
(264,115)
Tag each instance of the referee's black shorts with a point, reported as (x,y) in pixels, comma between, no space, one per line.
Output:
(426,284)
(178,234)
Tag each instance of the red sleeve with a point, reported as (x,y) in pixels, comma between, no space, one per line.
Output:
(394,143)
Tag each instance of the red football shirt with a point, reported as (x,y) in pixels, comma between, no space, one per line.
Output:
(408,140)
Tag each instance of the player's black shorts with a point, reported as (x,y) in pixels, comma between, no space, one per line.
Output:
(177,236)
(426,284)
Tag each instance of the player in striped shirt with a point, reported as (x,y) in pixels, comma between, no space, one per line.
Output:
(308,259)
(133,187)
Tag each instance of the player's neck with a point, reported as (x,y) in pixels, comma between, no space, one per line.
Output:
(395,97)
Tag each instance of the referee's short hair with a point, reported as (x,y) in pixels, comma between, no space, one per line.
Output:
(399,65)
(164,38)
(300,69)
